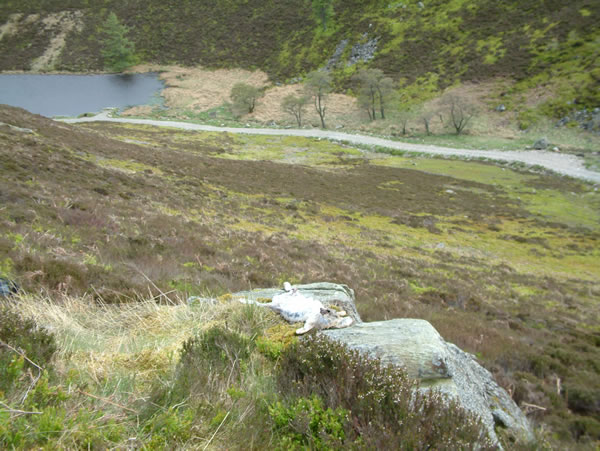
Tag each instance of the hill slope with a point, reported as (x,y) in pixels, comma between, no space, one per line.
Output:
(430,44)
(117,210)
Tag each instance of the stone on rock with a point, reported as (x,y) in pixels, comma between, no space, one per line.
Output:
(417,347)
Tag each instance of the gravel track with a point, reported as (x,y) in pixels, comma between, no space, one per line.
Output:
(565,164)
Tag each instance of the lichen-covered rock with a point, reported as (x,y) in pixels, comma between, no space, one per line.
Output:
(412,344)
(417,347)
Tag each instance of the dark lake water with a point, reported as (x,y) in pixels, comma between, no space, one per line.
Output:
(71,95)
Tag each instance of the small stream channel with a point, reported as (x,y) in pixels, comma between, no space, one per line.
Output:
(72,95)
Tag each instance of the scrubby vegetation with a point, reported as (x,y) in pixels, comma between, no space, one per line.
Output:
(244,98)
(384,410)
(195,376)
(111,214)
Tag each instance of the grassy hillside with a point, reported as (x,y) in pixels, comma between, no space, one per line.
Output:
(224,376)
(535,44)
(502,262)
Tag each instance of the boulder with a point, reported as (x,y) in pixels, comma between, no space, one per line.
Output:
(8,287)
(327,293)
(17,129)
(417,347)
(412,344)
(541,144)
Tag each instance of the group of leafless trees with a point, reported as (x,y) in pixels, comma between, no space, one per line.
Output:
(375,93)
(450,111)
(317,86)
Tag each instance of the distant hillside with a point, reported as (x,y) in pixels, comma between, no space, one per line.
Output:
(116,211)
(431,44)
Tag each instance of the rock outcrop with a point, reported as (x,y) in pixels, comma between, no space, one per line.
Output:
(416,346)
(363,51)
(587,119)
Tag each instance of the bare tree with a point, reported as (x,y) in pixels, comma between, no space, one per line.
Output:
(295,106)
(318,85)
(460,111)
(427,115)
(367,94)
(406,114)
(385,89)
(375,91)
(244,97)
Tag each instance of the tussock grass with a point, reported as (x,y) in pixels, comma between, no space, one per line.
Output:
(86,324)
(112,360)
(112,345)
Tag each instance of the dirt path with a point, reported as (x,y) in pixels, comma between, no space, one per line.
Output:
(561,163)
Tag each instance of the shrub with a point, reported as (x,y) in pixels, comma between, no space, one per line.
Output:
(583,399)
(244,98)
(306,423)
(385,408)
(24,335)
(460,112)
(35,411)
(528,118)
(169,428)
(209,363)
(585,428)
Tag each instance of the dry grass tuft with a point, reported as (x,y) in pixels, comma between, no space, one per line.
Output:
(201,89)
(104,339)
